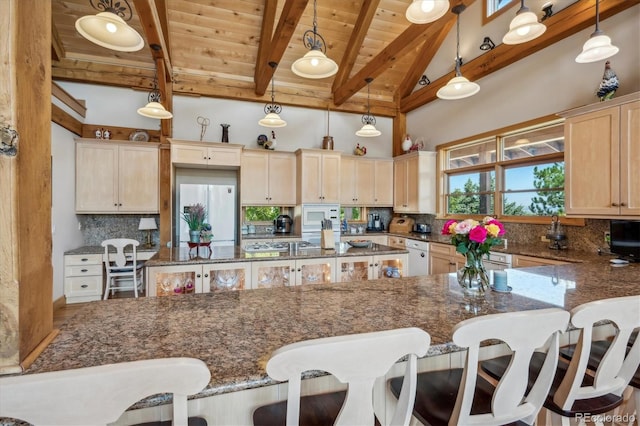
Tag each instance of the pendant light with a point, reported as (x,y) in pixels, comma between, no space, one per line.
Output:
(272,119)
(524,27)
(368,129)
(154,109)
(458,87)
(108,28)
(598,47)
(314,64)
(425,11)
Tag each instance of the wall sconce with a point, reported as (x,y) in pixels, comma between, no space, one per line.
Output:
(424,81)
(487,44)
(108,28)
(546,8)
(147,224)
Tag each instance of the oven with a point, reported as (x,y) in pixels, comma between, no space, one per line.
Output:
(312,217)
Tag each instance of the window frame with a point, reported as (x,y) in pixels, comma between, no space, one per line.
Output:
(485,9)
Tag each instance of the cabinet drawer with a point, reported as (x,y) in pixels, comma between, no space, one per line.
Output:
(83,286)
(83,270)
(441,248)
(82,259)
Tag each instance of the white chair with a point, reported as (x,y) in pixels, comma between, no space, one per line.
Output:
(99,395)
(478,402)
(119,267)
(357,360)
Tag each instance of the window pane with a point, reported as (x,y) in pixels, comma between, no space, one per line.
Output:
(534,190)
(471,193)
(261,214)
(532,203)
(350,213)
(481,152)
(532,143)
(495,5)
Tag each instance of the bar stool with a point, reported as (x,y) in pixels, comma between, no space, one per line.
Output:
(461,397)
(358,360)
(118,267)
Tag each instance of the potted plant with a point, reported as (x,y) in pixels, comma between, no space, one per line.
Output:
(194,216)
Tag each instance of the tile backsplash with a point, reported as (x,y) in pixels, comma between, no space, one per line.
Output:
(99,227)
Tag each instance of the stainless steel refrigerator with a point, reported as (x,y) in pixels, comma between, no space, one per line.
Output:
(220,202)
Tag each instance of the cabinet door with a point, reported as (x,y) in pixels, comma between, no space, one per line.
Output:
(383,183)
(330,178)
(630,159)
(223,156)
(389,265)
(96,177)
(269,274)
(413,184)
(365,182)
(282,179)
(254,178)
(348,192)
(400,195)
(315,271)
(439,264)
(592,145)
(310,178)
(174,280)
(185,154)
(138,179)
(354,268)
(226,276)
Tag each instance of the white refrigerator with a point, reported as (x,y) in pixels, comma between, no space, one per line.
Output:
(220,202)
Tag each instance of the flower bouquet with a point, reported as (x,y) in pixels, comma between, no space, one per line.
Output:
(474,239)
(194,216)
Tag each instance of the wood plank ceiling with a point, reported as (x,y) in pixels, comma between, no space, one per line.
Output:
(221,48)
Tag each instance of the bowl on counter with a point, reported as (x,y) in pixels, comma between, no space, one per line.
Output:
(359,243)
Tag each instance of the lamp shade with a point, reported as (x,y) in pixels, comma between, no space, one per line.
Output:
(597,48)
(457,88)
(147,223)
(368,131)
(272,120)
(108,30)
(524,27)
(154,110)
(425,11)
(314,64)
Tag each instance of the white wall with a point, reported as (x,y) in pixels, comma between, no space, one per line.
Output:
(546,82)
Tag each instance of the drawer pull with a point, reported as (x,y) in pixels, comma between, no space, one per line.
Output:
(84,270)
(84,286)
(84,259)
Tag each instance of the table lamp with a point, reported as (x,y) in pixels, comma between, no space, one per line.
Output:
(147,224)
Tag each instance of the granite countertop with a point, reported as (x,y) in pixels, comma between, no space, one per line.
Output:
(100,250)
(270,236)
(234,333)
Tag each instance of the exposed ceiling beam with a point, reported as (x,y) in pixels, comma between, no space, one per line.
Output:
(405,43)
(572,19)
(266,31)
(360,29)
(153,17)
(57,48)
(289,18)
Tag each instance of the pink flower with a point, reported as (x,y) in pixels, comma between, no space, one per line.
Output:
(446,229)
(463,228)
(478,234)
(499,225)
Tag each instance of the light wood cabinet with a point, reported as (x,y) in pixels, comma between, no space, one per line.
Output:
(602,159)
(444,259)
(205,154)
(366,182)
(279,273)
(117,178)
(362,268)
(318,176)
(226,276)
(414,183)
(397,242)
(268,178)
(82,277)
(521,261)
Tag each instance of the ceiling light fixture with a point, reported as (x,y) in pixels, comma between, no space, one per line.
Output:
(154,109)
(425,11)
(314,64)
(598,47)
(108,28)
(368,129)
(272,119)
(487,44)
(524,27)
(458,87)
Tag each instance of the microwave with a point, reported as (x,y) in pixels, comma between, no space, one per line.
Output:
(312,216)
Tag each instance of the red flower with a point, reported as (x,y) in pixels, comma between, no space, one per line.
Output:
(447,225)
(478,234)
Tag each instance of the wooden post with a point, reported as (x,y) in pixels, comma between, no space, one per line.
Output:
(399,132)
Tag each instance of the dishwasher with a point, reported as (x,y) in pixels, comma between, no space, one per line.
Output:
(497,261)
(418,257)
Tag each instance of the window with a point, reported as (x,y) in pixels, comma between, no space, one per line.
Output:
(494,8)
(350,213)
(515,175)
(261,214)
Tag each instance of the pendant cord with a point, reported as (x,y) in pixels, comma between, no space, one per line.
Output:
(597,17)
(315,22)
(458,46)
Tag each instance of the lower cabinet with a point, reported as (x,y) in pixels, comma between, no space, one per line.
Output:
(227,276)
(204,278)
(362,268)
(520,261)
(444,259)
(82,277)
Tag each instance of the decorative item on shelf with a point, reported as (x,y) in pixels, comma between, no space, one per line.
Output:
(108,28)
(147,224)
(360,150)
(106,134)
(153,108)
(206,235)
(204,123)
(368,129)
(98,134)
(609,83)
(315,63)
(327,141)
(272,119)
(598,47)
(417,146)
(139,136)
(473,240)
(194,215)
(271,144)
(261,140)
(407,144)
(225,132)
(458,87)
(524,27)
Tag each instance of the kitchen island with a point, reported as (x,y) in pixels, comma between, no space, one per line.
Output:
(234,332)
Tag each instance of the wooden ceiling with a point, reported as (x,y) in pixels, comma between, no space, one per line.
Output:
(221,48)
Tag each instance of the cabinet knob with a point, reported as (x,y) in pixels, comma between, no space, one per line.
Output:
(115,204)
(421,254)
(375,264)
(299,269)
(198,275)
(622,204)
(120,204)
(614,204)
(371,265)
(206,275)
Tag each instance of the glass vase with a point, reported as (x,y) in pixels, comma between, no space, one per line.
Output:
(473,277)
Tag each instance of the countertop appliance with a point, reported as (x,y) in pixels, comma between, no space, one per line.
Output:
(422,228)
(313,216)
(374,223)
(401,225)
(418,257)
(282,224)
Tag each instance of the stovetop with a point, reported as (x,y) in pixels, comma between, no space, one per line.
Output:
(278,246)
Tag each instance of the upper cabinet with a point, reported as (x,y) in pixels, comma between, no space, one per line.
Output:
(116,177)
(318,176)
(366,182)
(205,154)
(414,182)
(268,178)
(602,159)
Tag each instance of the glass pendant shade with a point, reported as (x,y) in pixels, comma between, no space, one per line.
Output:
(368,131)
(425,11)
(108,30)
(524,27)
(154,110)
(314,64)
(597,48)
(272,120)
(458,88)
